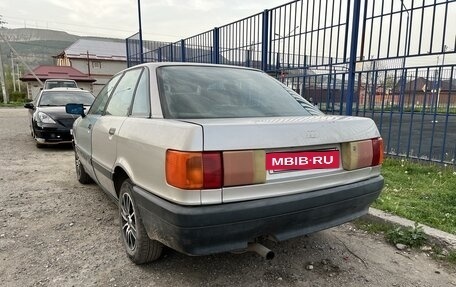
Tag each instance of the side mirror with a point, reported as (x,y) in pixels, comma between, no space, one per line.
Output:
(75,109)
(29,106)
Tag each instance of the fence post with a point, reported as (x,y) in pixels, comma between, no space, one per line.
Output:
(141,51)
(265,41)
(216,45)
(128,54)
(183,51)
(352,62)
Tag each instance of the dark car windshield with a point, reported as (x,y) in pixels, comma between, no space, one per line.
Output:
(61,98)
(222,92)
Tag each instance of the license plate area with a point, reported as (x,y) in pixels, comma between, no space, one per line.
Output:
(304,160)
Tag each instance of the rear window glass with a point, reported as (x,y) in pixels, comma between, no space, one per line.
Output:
(223,92)
(58,84)
(63,98)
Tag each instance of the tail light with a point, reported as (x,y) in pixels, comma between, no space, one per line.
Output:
(377,146)
(194,170)
(211,170)
(361,154)
(244,167)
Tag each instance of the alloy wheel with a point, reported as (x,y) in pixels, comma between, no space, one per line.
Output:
(128,215)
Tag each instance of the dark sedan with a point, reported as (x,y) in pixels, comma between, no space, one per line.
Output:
(49,123)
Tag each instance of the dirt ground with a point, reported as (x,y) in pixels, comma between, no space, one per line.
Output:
(57,232)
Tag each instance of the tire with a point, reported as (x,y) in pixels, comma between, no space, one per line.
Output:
(139,247)
(81,175)
(38,145)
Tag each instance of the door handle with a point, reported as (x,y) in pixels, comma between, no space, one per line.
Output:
(112,131)
(89,127)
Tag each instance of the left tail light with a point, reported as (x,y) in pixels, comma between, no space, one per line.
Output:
(212,170)
(194,170)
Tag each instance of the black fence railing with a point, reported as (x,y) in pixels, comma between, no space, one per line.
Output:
(393,61)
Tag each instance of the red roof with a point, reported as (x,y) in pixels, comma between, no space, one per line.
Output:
(57,72)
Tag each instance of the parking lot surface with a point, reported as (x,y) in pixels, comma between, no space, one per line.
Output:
(57,232)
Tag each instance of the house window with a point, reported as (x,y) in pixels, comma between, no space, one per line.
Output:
(96,64)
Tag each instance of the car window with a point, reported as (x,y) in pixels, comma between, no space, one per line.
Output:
(120,101)
(61,98)
(99,104)
(141,103)
(57,84)
(221,92)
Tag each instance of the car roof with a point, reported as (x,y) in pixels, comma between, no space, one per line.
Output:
(156,65)
(64,89)
(61,80)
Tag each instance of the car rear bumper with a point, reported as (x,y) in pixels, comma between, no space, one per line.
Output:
(202,230)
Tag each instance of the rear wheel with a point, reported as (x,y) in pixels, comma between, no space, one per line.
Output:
(140,248)
(81,175)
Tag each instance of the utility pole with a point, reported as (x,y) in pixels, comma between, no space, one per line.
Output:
(12,71)
(18,77)
(2,72)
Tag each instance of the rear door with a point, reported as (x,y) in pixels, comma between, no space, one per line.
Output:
(106,129)
(83,129)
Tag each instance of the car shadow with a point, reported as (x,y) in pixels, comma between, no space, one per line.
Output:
(55,148)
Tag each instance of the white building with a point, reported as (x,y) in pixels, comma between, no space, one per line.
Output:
(55,72)
(99,59)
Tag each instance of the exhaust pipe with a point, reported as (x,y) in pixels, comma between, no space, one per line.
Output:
(261,250)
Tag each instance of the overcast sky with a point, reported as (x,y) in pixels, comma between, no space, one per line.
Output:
(166,20)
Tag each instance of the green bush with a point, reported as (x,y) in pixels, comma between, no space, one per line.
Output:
(18,97)
(412,237)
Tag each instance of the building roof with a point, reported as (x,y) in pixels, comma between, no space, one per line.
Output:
(97,50)
(54,72)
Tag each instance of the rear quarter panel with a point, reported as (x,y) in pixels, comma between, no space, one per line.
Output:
(141,150)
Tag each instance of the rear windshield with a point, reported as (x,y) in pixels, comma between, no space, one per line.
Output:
(58,84)
(188,92)
(51,98)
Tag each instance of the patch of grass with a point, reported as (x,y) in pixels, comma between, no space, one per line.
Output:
(412,237)
(422,192)
(372,227)
(394,234)
(12,104)
(451,257)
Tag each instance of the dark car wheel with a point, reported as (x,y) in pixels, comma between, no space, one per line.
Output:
(81,175)
(38,145)
(140,248)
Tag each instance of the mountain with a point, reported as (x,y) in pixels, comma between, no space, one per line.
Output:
(30,35)
(37,46)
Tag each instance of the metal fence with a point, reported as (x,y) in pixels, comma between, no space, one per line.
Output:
(391,61)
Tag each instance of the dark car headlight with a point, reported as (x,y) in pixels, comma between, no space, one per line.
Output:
(45,118)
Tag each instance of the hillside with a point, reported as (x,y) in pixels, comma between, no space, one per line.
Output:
(29,34)
(37,46)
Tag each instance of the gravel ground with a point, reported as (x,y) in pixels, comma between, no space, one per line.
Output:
(57,232)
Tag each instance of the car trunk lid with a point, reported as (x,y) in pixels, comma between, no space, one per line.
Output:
(245,144)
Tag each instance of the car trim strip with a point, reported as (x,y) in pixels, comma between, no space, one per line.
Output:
(104,171)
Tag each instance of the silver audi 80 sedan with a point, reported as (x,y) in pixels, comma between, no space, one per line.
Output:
(210,158)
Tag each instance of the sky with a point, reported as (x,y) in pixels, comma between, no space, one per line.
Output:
(172,20)
(162,20)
